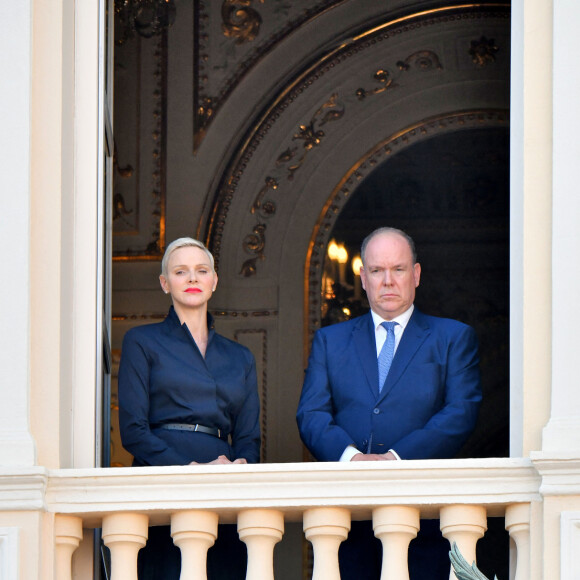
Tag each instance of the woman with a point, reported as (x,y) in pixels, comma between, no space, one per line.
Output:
(186,396)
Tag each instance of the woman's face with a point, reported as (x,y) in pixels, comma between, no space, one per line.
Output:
(190,279)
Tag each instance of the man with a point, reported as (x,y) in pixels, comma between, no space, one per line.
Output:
(425,408)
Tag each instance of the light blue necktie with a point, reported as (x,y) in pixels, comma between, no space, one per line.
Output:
(387,352)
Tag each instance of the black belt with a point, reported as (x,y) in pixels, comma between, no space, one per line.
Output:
(196,428)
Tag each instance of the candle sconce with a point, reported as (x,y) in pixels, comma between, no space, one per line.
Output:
(342,295)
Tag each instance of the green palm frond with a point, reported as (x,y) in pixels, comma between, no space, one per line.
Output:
(462,569)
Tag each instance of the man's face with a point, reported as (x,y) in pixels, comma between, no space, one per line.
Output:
(389,275)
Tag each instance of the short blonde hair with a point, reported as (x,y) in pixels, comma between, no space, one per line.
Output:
(184,243)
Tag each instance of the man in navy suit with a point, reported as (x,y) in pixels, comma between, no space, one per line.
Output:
(426,407)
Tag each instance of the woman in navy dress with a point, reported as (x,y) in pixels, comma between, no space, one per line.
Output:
(188,395)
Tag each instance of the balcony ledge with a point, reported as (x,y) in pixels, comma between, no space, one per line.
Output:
(292,487)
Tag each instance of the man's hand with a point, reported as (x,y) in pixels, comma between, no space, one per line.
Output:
(221,460)
(374,457)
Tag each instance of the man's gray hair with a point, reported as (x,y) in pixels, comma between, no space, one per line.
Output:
(388,230)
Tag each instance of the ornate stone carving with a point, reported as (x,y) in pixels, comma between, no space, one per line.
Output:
(268,207)
(140,186)
(483,51)
(215,313)
(240,21)
(254,243)
(252,33)
(311,135)
(293,157)
(423,60)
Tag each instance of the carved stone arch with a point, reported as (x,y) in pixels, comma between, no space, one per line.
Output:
(392,84)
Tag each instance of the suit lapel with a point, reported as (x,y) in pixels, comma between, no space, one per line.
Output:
(415,334)
(363,336)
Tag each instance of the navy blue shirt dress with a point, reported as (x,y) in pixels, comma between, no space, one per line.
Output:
(163,378)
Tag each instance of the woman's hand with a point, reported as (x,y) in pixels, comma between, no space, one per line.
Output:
(221,460)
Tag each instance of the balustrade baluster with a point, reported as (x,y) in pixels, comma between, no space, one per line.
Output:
(326,528)
(517,523)
(124,534)
(260,530)
(395,526)
(69,533)
(464,525)
(194,532)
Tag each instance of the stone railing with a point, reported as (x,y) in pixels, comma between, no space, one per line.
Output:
(261,498)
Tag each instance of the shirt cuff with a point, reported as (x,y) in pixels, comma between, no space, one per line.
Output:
(395,454)
(349,453)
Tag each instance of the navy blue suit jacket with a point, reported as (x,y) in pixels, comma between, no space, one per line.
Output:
(427,407)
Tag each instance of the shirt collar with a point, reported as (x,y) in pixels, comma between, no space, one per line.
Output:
(402,319)
(172,316)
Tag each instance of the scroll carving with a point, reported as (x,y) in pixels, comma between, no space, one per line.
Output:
(423,60)
(240,21)
(311,135)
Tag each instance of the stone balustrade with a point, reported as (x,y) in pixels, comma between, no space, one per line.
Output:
(325,497)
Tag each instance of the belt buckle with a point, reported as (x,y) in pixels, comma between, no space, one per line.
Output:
(219,433)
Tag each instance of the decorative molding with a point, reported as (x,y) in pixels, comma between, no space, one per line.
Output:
(23,488)
(254,243)
(240,21)
(150,156)
(156,317)
(9,553)
(314,266)
(264,385)
(243,313)
(570,544)
(482,51)
(422,60)
(252,34)
(311,135)
(144,317)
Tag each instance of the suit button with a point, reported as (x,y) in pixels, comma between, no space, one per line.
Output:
(376,411)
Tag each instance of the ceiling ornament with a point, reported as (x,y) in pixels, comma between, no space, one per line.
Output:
(423,60)
(251,33)
(483,51)
(147,18)
(240,21)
